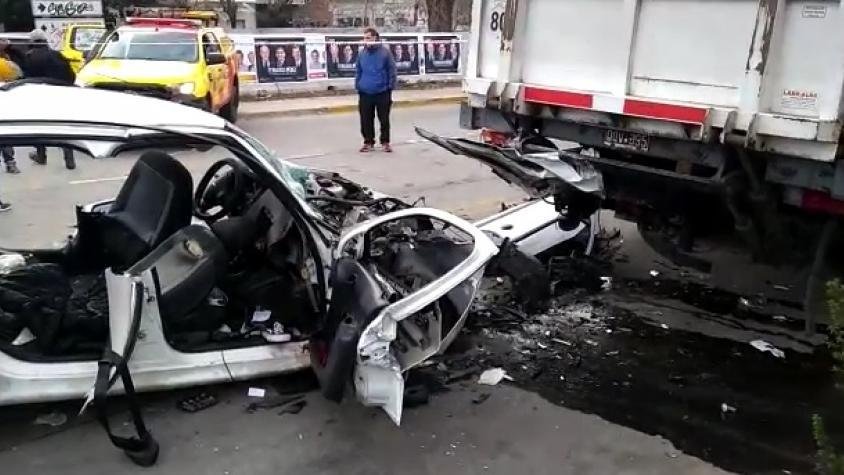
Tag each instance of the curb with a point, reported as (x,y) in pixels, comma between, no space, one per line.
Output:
(346,108)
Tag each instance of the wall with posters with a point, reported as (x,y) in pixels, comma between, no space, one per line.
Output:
(310,57)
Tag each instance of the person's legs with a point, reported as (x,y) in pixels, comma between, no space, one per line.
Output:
(366,107)
(69,161)
(4,206)
(8,154)
(383,105)
(39,156)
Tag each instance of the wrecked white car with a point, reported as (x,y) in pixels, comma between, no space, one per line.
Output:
(262,268)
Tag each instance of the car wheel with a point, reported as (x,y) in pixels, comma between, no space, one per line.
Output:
(229,111)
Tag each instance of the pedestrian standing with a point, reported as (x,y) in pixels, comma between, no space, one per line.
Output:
(9,71)
(375,80)
(42,62)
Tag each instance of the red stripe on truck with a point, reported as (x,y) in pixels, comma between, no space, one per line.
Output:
(558,98)
(672,112)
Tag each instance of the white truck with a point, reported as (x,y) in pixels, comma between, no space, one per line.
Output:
(712,120)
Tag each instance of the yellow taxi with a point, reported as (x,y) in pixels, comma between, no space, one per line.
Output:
(173,59)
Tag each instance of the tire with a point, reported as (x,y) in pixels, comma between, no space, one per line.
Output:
(229,111)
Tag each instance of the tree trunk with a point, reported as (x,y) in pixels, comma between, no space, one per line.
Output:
(230,8)
(440,15)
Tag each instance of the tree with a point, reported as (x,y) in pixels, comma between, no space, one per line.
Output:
(440,14)
(229,7)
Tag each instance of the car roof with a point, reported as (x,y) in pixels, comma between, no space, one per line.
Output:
(41,102)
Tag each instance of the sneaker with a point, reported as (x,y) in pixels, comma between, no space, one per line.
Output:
(387,148)
(5,207)
(12,167)
(70,163)
(39,160)
(366,148)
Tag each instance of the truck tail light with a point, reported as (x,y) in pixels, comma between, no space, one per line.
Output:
(813,200)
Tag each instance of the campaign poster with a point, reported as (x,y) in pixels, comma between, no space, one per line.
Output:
(246,58)
(405,51)
(280,59)
(341,54)
(316,60)
(442,54)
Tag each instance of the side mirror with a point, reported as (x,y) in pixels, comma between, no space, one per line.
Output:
(215,58)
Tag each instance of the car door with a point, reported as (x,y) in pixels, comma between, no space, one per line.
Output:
(217,73)
(77,41)
(401,288)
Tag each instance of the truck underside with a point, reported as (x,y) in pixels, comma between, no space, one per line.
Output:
(696,201)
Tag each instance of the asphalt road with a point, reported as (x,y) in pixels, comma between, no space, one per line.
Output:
(513,432)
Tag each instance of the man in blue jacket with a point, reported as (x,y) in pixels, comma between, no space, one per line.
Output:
(375,81)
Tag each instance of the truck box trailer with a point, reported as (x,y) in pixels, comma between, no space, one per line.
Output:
(710,119)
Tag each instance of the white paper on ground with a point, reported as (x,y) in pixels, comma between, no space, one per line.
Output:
(493,376)
(766,347)
(257,392)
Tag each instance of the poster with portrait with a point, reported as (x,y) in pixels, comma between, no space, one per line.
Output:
(442,54)
(341,54)
(280,59)
(244,51)
(405,51)
(316,60)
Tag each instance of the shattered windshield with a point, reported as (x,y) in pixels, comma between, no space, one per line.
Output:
(294,176)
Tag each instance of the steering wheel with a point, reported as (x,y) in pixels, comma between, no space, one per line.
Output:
(223,191)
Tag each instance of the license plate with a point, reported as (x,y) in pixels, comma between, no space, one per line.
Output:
(627,140)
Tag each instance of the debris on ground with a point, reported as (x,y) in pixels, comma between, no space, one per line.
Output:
(11,262)
(766,347)
(256,392)
(654,273)
(294,407)
(493,376)
(481,398)
(52,419)
(463,374)
(196,403)
(273,403)
(727,411)
(416,395)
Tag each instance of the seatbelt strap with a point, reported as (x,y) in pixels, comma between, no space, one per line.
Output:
(142,449)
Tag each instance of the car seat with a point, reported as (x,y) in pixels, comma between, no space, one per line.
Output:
(186,266)
(154,202)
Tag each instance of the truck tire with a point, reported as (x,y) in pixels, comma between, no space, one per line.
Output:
(229,111)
